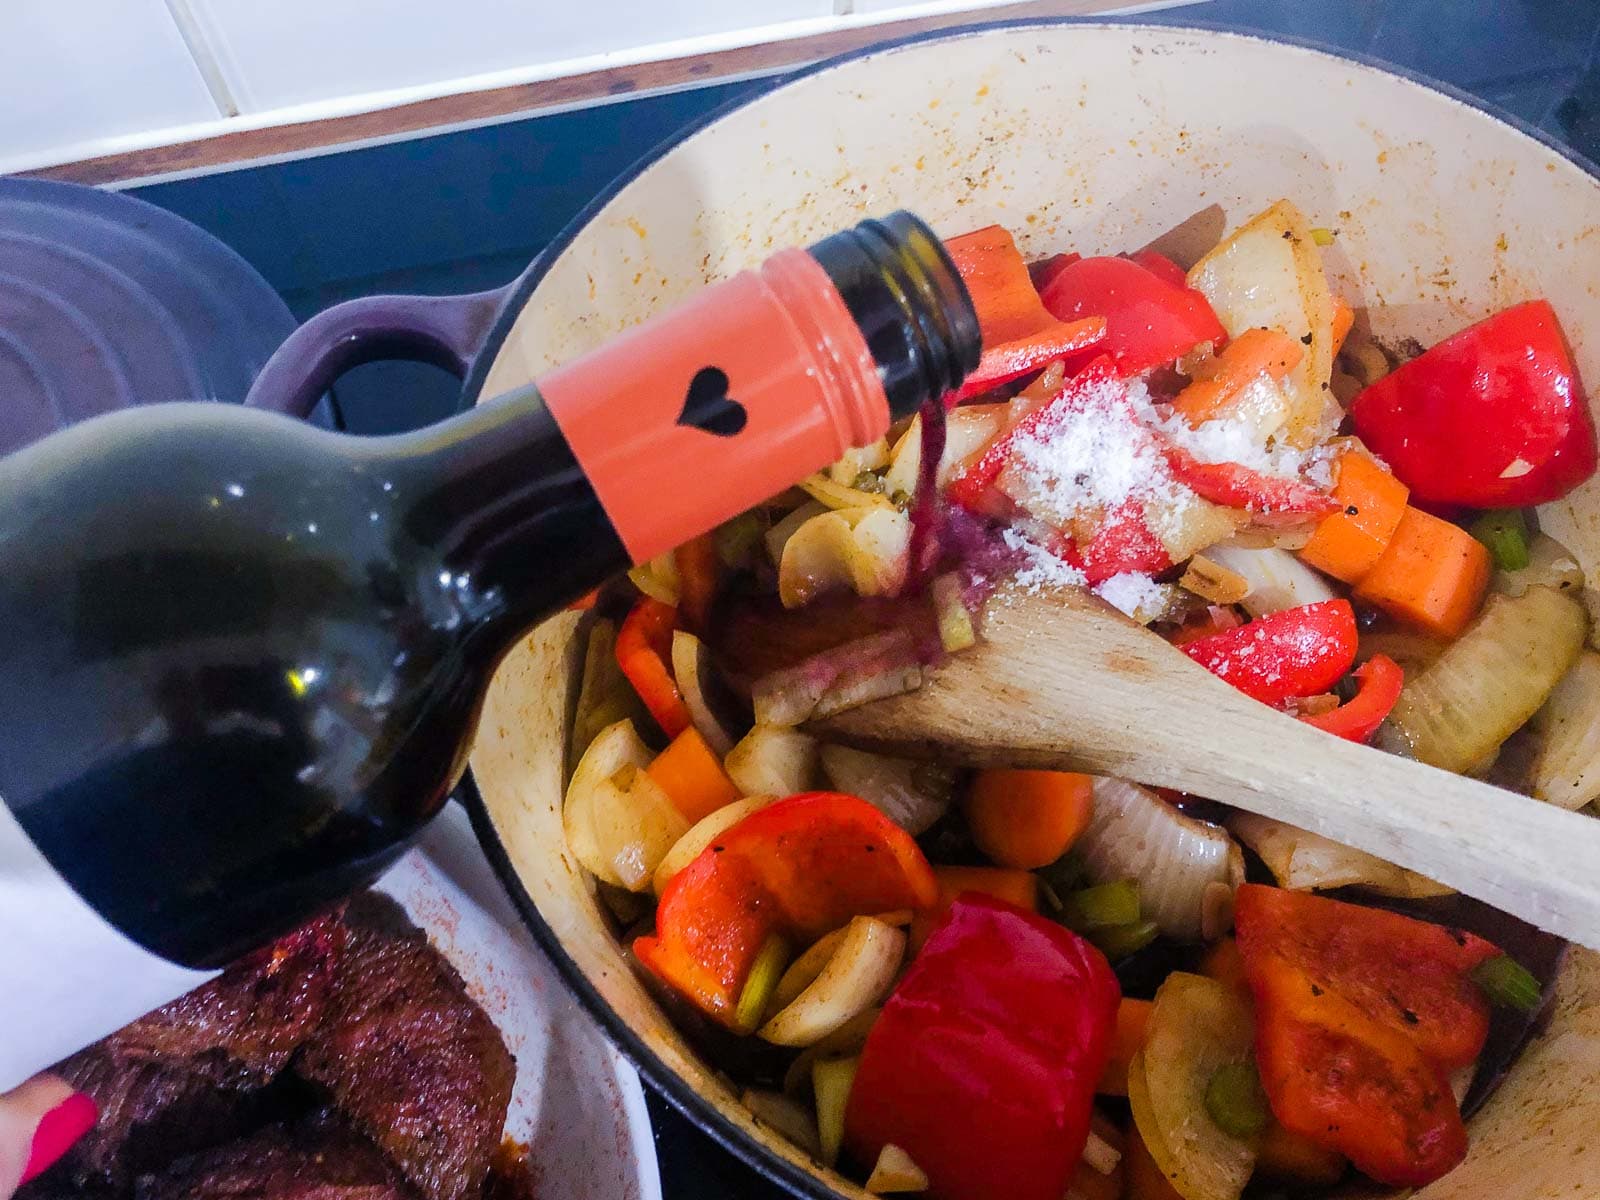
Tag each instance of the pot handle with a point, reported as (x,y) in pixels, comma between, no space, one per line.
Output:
(446,331)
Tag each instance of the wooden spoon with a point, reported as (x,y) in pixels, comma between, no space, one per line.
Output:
(1062,681)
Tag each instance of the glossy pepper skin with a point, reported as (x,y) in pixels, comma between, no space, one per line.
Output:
(1493,417)
(1297,652)
(1357,719)
(800,867)
(644,648)
(1360,1016)
(1150,320)
(984,1063)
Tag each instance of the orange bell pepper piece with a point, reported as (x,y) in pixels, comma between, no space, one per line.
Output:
(799,868)
(1133,1019)
(692,776)
(1360,1014)
(1003,883)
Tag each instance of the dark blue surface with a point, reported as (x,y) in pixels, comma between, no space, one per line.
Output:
(464,211)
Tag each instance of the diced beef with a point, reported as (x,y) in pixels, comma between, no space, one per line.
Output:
(412,1061)
(322,1161)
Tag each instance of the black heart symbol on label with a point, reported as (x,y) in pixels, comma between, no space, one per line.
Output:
(709,407)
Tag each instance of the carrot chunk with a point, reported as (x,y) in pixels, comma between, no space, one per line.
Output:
(1028,819)
(1348,543)
(1432,576)
(1015,887)
(1246,358)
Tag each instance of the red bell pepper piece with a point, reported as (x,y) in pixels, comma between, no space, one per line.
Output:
(1046,269)
(1124,542)
(1493,417)
(799,868)
(1360,1013)
(1297,652)
(1358,718)
(984,1063)
(1149,320)
(644,648)
(971,486)
(1161,267)
(1271,498)
(1012,360)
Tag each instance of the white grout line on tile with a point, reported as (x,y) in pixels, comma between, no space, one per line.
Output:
(192,30)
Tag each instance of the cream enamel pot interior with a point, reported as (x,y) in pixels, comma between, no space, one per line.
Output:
(1086,137)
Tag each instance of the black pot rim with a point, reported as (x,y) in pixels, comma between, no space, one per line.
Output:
(666,1082)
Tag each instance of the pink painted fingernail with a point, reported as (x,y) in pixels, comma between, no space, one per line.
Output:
(58,1130)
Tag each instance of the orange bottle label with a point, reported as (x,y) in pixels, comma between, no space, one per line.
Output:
(726,400)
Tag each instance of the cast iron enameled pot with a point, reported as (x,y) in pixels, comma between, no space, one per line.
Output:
(1089,137)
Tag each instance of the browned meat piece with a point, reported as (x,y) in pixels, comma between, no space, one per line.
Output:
(190,1074)
(412,1060)
(256,1014)
(322,1163)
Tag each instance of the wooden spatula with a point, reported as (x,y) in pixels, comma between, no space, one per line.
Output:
(1062,681)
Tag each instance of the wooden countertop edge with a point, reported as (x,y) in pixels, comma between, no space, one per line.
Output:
(229,149)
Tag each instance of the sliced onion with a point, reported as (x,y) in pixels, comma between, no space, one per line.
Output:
(843,1042)
(857,976)
(911,794)
(619,824)
(859,459)
(1134,834)
(1566,771)
(860,548)
(895,1172)
(689,665)
(778,536)
(1268,273)
(831,493)
(1197,1027)
(1302,861)
(700,835)
(966,430)
(773,760)
(606,696)
(1550,564)
(658,578)
(803,971)
(1278,580)
(788,1117)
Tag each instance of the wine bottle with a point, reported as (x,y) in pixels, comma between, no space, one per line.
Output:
(244,657)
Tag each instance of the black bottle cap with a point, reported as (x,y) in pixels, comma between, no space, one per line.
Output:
(912,307)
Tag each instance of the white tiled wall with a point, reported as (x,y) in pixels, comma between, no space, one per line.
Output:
(275,53)
(73,71)
(84,78)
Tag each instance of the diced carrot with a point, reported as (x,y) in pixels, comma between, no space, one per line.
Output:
(1145,1179)
(1015,887)
(1003,295)
(1347,544)
(585,602)
(1028,819)
(1222,963)
(1133,1017)
(1243,360)
(691,775)
(697,581)
(1432,576)
(1091,1184)
(1343,318)
(1290,1158)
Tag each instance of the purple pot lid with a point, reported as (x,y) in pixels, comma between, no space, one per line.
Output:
(107,302)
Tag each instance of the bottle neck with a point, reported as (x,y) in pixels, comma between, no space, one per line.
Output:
(506,512)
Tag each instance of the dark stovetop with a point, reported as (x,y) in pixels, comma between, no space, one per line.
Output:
(464,211)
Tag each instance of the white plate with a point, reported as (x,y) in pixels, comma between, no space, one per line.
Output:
(578,1106)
